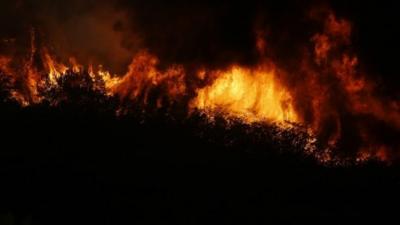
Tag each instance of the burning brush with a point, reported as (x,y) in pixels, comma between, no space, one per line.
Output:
(327,107)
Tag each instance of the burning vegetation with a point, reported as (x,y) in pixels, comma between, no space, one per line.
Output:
(333,111)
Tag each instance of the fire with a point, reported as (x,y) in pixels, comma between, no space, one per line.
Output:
(331,97)
(144,77)
(250,94)
(55,70)
(342,96)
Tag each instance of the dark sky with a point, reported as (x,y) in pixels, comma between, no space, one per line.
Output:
(196,32)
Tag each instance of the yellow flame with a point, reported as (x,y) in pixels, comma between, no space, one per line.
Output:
(253,95)
(109,80)
(55,70)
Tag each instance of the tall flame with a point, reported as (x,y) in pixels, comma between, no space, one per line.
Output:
(331,92)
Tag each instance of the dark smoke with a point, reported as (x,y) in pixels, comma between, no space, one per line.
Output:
(91,31)
(192,32)
(183,32)
(216,34)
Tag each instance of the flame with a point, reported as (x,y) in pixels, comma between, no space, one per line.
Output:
(342,96)
(55,70)
(330,95)
(32,75)
(251,94)
(143,77)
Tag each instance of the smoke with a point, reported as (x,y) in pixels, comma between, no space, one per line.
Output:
(111,32)
(94,32)
(308,49)
(187,32)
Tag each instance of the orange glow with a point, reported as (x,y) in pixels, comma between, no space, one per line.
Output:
(325,90)
(143,77)
(4,64)
(55,70)
(251,94)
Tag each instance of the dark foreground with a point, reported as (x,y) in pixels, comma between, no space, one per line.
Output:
(66,166)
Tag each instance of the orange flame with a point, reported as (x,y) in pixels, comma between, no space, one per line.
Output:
(331,88)
(143,76)
(250,94)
